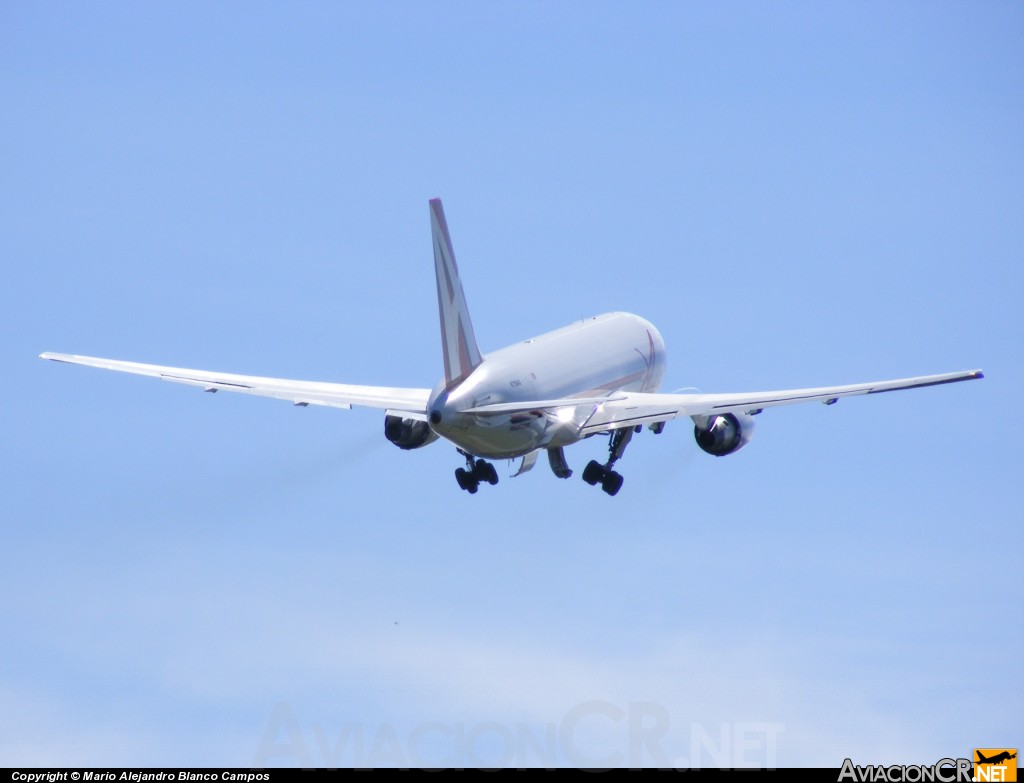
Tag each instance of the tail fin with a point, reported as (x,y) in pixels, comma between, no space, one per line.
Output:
(461,355)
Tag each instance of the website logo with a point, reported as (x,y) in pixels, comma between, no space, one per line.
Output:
(998,764)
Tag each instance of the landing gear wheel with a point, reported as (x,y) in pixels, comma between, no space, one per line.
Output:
(484,471)
(594,472)
(466,480)
(612,482)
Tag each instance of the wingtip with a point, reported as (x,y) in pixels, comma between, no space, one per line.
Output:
(979,374)
(56,357)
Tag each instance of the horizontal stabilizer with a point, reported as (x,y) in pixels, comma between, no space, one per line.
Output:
(537,405)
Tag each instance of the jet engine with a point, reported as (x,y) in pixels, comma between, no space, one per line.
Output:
(408,433)
(723,434)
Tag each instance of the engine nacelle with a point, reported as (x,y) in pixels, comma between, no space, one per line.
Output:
(723,434)
(408,433)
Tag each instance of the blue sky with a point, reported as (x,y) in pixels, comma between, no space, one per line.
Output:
(796,194)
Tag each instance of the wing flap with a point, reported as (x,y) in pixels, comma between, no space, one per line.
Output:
(334,395)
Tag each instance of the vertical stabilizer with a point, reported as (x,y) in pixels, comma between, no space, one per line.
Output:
(458,343)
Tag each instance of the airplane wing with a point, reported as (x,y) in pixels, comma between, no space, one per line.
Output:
(411,402)
(628,409)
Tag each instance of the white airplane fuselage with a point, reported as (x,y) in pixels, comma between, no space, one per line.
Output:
(615,352)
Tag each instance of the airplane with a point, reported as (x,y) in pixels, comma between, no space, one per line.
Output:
(996,759)
(599,375)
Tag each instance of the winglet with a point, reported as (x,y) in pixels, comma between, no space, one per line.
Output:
(458,343)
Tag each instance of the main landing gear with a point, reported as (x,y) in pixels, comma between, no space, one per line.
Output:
(596,473)
(475,473)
